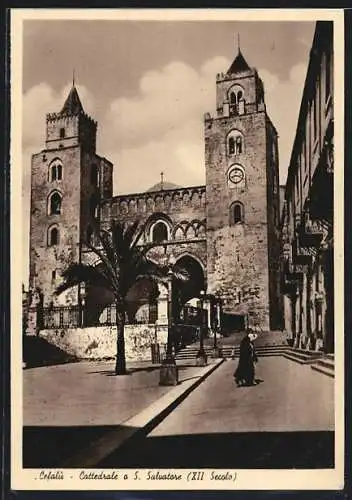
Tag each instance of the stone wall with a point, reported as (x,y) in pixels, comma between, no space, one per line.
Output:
(183,211)
(237,255)
(100,342)
(44,259)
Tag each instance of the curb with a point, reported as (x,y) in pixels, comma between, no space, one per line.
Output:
(138,425)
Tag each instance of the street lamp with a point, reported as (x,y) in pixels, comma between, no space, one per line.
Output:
(170,359)
(217,321)
(169,369)
(83,303)
(201,359)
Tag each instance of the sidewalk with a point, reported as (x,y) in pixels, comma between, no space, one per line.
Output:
(68,406)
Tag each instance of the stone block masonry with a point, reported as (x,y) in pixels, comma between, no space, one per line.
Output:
(100,342)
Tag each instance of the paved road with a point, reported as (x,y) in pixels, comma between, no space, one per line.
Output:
(285,421)
(65,407)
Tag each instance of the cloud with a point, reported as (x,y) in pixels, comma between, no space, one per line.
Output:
(37,102)
(161,127)
(40,100)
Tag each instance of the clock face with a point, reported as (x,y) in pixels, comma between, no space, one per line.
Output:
(236,175)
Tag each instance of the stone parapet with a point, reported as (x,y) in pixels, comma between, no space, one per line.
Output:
(100,342)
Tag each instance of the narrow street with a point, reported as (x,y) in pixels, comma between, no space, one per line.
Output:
(287,420)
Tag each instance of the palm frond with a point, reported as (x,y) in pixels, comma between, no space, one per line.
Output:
(82,273)
(107,264)
(132,234)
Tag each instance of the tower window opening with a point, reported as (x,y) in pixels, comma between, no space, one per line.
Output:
(55,171)
(231,146)
(53,236)
(159,232)
(59,172)
(239,144)
(235,97)
(236,213)
(62,133)
(55,204)
(53,274)
(235,143)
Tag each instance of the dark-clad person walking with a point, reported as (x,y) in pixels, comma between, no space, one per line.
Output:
(244,374)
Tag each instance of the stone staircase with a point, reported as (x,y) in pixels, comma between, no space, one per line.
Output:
(323,363)
(302,356)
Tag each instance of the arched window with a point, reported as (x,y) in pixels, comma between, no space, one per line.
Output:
(62,133)
(53,236)
(159,232)
(235,143)
(55,200)
(179,234)
(190,233)
(236,213)
(94,175)
(235,96)
(55,170)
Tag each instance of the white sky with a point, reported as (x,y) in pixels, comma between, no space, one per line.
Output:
(148,85)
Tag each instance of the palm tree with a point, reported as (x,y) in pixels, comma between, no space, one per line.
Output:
(122,263)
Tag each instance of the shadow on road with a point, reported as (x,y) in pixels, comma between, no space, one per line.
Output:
(130,371)
(48,447)
(248,450)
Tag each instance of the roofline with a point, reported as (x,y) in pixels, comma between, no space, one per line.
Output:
(151,193)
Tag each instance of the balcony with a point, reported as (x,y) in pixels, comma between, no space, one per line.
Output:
(310,232)
(300,255)
(293,272)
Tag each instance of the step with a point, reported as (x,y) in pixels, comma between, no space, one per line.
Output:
(229,350)
(295,358)
(307,354)
(327,363)
(323,369)
(307,351)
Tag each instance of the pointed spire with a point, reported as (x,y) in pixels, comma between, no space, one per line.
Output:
(73,77)
(239,64)
(73,105)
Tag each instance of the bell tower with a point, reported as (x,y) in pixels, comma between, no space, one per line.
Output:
(242,192)
(68,179)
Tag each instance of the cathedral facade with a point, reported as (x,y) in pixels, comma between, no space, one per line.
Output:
(225,233)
